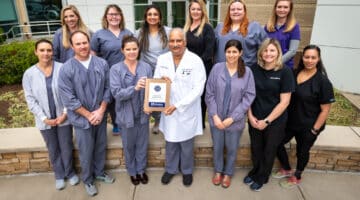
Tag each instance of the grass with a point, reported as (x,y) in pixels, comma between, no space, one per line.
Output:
(342,112)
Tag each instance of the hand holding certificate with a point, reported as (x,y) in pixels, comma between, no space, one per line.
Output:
(157,94)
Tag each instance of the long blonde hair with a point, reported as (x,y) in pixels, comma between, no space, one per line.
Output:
(263,46)
(290,20)
(204,17)
(65,30)
(243,30)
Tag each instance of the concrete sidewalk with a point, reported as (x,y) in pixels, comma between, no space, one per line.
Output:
(315,185)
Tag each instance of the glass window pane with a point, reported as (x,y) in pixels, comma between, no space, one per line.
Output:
(42,10)
(140,1)
(213,11)
(139,12)
(178,13)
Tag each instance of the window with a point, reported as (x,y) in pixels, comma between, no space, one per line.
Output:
(139,8)
(213,12)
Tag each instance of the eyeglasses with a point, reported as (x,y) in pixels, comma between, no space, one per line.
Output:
(113,14)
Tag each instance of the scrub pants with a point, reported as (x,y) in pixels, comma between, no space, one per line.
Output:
(135,143)
(92,150)
(305,139)
(227,139)
(60,147)
(179,154)
(264,145)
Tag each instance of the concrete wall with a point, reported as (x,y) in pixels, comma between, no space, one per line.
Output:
(336,30)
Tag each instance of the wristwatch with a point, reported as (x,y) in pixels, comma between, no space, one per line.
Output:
(267,121)
(315,131)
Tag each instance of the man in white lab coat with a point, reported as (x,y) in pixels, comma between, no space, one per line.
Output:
(181,121)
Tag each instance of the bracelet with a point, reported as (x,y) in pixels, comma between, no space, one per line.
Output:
(315,131)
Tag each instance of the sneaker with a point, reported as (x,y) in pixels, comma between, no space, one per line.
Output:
(256,187)
(187,179)
(282,173)
(91,189)
(247,180)
(289,182)
(59,184)
(116,131)
(166,178)
(106,178)
(74,180)
(155,129)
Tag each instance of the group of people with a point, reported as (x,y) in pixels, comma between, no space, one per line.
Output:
(238,72)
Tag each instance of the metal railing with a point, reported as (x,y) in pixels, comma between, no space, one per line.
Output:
(28,30)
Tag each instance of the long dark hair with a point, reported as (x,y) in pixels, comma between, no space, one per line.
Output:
(319,65)
(144,30)
(238,46)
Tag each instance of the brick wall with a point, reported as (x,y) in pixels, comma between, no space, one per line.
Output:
(38,161)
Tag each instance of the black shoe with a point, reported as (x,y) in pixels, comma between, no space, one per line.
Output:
(166,178)
(143,178)
(134,180)
(187,179)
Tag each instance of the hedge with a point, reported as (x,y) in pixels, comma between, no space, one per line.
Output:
(15,58)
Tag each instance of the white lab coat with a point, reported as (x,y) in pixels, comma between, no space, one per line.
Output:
(186,89)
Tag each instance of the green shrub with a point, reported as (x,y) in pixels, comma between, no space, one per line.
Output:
(15,58)
(2,37)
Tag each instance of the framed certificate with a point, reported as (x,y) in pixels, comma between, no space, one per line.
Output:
(157,95)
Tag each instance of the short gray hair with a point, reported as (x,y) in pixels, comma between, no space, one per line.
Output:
(180,30)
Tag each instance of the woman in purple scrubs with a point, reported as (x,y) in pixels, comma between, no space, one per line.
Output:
(283,26)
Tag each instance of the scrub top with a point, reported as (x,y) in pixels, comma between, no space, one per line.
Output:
(305,103)
(269,85)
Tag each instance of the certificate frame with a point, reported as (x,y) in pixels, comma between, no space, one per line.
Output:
(157,95)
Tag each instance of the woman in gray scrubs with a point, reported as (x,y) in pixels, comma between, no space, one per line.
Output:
(127,83)
(40,88)
(106,43)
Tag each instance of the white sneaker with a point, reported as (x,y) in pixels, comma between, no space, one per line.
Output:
(74,180)
(91,189)
(59,184)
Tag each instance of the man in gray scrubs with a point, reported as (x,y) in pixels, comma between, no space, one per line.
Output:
(84,90)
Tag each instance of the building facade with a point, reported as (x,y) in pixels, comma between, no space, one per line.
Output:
(336,30)
(334,33)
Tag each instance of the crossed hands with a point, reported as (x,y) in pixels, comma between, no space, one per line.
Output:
(256,123)
(222,124)
(57,121)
